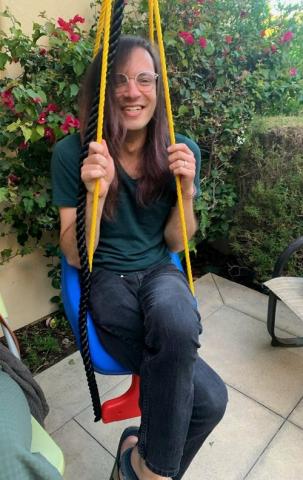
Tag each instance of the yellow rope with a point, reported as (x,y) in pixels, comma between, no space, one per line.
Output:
(93,228)
(172,139)
(100,29)
(104,26)
(151,21)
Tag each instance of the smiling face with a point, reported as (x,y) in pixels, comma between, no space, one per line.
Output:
(137,106)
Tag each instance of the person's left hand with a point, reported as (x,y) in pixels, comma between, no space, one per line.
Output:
(182,162)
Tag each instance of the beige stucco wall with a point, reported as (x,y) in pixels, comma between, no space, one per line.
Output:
(27,11)
(25,287)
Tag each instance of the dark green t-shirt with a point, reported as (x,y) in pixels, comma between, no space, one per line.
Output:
(134,239)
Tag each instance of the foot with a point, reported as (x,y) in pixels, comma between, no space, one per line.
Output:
(129,442)
(140,468)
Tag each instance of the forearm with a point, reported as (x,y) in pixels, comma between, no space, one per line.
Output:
(68,238)
(173,231)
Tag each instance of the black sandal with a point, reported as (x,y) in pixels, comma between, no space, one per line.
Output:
(128,473)
(128,432)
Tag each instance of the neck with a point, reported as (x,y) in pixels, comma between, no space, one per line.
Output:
(133,145)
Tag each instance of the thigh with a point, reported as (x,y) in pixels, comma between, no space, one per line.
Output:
(114,304)
(170,310)
(117,316)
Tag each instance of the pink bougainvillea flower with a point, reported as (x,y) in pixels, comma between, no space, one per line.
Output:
(42,52)
(12,180)
(287,37)
(37,100)
(51,107)
(23,146)
(8,99)
(77,19)
(201,1)
(69,122)
(228,39)
(49,135)
(65,26)
(203,42)
(74,37)
(42,118)
(187,37)
(243,14)
(273,48)
(293,72)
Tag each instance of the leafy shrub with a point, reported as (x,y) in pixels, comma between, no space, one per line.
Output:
(270,184)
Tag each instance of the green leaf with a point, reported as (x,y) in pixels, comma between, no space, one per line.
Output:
(78,68)
(3,193)
(210,48)
(13,126)
(27,132)
(182,110)
(74,89)
(40,130)
(28,204)
(3,59)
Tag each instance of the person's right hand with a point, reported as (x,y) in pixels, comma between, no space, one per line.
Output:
(98,165)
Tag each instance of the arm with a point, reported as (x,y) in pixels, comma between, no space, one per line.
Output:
(181,162)
(97,166)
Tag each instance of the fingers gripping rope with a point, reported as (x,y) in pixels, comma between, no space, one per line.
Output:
(85,276)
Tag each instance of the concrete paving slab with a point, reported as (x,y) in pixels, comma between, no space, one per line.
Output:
(107,434)
(283,459)
(66,390)
(84,457)
(208,296)
(237,347)
(297,415)
(255,304)
(232,448)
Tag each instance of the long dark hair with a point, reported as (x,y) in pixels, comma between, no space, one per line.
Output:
(155,172)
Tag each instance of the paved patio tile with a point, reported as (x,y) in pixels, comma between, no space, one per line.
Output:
(232,448)
(297,415)
(208,296)
(255,304)
(238,347)
(85,459)
(66,390)
(106,434)
(283,459)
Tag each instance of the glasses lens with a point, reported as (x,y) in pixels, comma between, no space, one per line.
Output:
(145,80)
(121,80)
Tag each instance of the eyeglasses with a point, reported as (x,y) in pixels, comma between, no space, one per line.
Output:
(145,81)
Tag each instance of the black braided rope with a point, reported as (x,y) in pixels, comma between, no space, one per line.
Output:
(85,276)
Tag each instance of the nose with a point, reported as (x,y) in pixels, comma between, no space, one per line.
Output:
(132,89)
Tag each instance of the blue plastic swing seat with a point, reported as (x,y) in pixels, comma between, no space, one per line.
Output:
(70,285)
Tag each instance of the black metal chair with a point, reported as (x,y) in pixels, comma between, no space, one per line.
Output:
(272,302)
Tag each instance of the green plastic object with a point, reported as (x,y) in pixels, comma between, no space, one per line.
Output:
(44,444)
(3,310)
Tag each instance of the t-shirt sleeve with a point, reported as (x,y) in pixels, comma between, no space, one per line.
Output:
(197,153)
(65,175)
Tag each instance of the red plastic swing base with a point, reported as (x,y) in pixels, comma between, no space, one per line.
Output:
(125,406)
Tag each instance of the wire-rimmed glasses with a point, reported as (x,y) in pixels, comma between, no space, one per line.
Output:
(145,81)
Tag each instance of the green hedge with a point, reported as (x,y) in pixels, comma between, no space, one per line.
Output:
(269,179)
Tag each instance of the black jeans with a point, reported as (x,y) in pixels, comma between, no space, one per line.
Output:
(149,322)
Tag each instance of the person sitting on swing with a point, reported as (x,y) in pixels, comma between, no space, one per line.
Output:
(141,304)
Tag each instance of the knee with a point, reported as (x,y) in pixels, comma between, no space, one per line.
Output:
(175,324)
